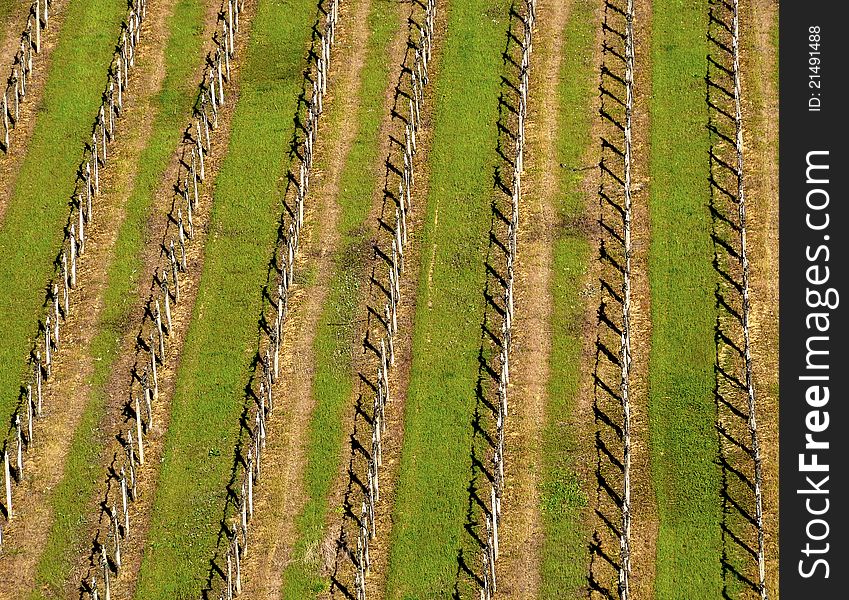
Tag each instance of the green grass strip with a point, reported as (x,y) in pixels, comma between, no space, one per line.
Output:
(171,111)
(334,370)
(31,230)
(430,507)
(221,341)
(563,565)
(681,407)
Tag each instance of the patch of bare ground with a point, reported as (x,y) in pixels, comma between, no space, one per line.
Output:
(15,24)
(68,392)
(10,30)
(521,530)
(758,18)
(10,162)
(281,497)
(399,376)
(644,522)
(337,493)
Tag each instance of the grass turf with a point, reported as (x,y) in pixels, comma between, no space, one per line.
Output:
(38,209)
(171,109)
(221,341)
(681,408)
(431,502)
(563,567)
(334,371)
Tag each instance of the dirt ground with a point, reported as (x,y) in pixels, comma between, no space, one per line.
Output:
(281,496)
(644,521)
(159,229)
(760,131)
(399,375)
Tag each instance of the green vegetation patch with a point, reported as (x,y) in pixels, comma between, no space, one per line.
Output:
(432,497)
(681,408)
(216,361)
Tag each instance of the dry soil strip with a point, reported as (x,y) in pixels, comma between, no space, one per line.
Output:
(644,522)
(119,383)
(399,375)
(336,497)
(338,491)
(758,22)
(521,532)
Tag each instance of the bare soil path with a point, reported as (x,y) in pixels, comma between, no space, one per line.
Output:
(399,376)
(759,56)
(644,521)
(281,496)
(159,229)
(335,520)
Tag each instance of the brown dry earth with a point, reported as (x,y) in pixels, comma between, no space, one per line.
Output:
(10,162)
(760,130)
(281,497)
(521,529)
(67,392)
(160,229)
(644,523)
(13,27)
(399,376)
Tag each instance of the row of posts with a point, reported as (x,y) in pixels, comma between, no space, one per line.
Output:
(158,325)
(268,367)
(492,518)
(421,42)
(73,247)
(744,266)
(625,343)
(730,88)
(38,19)
(614,38)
